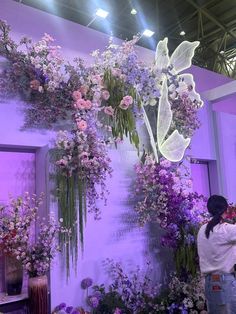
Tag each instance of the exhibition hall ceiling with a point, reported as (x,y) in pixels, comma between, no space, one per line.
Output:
(212,22)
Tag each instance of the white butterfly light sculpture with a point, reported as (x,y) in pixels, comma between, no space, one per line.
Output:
(173,146)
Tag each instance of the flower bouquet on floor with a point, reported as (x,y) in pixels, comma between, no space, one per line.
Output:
(15,234)
(37,261)
(63,308)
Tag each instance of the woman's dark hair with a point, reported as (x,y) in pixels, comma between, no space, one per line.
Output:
(216,206)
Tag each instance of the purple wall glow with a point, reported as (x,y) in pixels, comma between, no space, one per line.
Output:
(109,237)
(199,173)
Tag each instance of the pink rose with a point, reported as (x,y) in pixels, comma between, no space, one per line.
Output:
(105,95)
(80,104)
(76,95)
(82,125)
(96,79)
(88,104)
(109,111)
(126,102)
(84,89)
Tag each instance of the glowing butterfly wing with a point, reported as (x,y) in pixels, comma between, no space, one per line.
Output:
(149,129)
(164,117)
(162,54)
(182,56)
(174,146)
(188,79)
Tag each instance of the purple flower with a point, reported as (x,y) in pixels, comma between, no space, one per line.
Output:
(69,309)
(98,295)
(60,306)
(86,283)
(93,301)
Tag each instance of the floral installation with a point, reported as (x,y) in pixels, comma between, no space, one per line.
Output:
(186,296)
(16,238)
(39,255)
(16,220)
(82,167)
(103,103)
(173,127)
(136,293)
(117,82)
(34,71)
(165,197)
(67,309)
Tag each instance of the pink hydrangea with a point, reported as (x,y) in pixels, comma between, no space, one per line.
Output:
(109,110)
(82,125)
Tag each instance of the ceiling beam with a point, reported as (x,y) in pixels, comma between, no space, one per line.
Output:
(211,17)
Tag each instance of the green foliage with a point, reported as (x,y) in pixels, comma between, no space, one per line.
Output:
(124,122)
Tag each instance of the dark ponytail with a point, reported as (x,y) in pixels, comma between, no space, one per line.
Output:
(216,206)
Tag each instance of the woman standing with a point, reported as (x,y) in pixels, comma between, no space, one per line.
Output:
(217,253)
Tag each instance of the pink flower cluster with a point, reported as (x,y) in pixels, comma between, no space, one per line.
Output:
(84,154)
(46,57)
(38,256)
(126,102)
(15,224)
(81,103)
(17,234)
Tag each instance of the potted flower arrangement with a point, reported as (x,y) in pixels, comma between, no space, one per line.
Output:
(15,224)
(37,261)
(24,253)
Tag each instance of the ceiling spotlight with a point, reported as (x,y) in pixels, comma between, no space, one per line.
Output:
(102,13)
(222,52)
(182,33)
(148,33)
(133,11)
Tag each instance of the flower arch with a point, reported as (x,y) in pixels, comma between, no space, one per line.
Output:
(103,103)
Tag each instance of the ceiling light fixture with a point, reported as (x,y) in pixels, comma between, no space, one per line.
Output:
(222,52)
(148,33)
(182,33)
(102,13)
(133,11)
